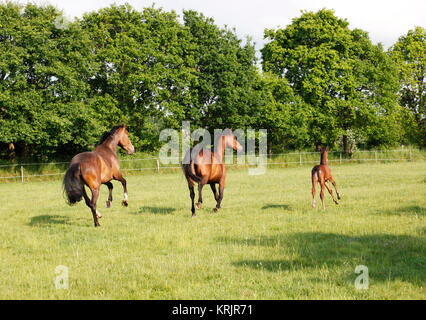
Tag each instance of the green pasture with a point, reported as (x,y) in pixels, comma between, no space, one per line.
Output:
(265,243)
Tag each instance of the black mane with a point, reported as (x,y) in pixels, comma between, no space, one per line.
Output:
(110,133)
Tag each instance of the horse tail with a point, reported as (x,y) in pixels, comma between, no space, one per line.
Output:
(188,167)
(73,184)
(316,173)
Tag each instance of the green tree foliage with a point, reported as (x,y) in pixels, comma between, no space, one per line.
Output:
(348,83)
(43,81)
(409,53)
(225,93)
(145,67)
(283,114)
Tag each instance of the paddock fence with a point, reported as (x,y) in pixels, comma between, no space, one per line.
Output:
(24,172)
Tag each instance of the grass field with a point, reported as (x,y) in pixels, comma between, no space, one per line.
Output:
(265,243)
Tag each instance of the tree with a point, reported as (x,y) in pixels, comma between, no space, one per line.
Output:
(225,93)
(44,70)
(409,53)
(145,69)
(349,83)
(283,114)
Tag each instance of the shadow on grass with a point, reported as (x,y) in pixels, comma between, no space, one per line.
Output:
(409,210)
(45,220)
(276,206)
(154,210)
(388,257)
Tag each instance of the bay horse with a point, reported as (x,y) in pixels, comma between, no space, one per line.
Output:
(322,173)
(98,167)
(208,168)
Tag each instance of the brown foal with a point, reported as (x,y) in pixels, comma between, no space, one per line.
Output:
(322,174)
(98,167)
(208,168)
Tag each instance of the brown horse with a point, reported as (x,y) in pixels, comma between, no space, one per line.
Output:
(322,174)
(208,167)
(98,167)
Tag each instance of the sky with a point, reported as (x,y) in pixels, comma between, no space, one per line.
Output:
(384,20)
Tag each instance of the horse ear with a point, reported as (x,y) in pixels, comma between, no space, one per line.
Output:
(319,148)
(327,148)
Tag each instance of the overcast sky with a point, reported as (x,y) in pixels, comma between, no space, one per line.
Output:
(384,20)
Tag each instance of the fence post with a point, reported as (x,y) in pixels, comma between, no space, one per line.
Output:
(300,158)
(22,174)
(410,155)
(340,158)
(158,165)
(375,155)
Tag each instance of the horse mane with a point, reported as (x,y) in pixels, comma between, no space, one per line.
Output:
(110,133)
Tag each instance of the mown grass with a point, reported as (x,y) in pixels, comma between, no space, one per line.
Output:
(265,243)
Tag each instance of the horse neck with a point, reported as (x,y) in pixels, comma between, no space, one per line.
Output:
(220,150)
(111,143)
(324,158)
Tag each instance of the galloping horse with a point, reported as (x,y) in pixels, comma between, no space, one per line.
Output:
(322,173)
(208,167)
(98,167)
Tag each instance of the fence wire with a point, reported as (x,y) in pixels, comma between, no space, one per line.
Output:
(158,167)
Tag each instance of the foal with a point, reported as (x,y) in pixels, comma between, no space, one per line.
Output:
(208,168)
(322,174)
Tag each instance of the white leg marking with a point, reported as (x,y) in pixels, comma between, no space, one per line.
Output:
(98,214)
(126,197)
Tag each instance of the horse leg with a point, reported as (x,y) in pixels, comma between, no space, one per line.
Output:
(334,185)
(219,199)
(92,204)
(200,192)
(110,187)
(331,192)
(322,193)
(192,195)
(213,186)
(314,183)
(124,183)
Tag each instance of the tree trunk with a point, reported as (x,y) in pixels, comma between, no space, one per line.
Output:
(11,152)
(346,146)
(270,148)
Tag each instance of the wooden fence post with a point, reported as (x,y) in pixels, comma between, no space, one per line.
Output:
(158,165)
(22,174)
(340,158)
(410,156)
(375,155)
(300,158)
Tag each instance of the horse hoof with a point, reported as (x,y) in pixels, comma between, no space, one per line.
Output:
(125,203)
(339,196)
(193,215)
(98,214)
(108,204)
(198,205)
(215,210)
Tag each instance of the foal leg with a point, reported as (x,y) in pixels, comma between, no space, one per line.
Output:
(314,183)
(219,199)
(334,185)
(331,192)
(110,187)
(322,193)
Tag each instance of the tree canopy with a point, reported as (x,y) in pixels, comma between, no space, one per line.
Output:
(63,83)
